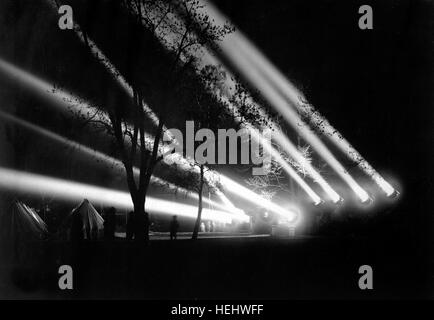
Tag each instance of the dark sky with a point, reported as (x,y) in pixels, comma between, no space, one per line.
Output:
(374,86)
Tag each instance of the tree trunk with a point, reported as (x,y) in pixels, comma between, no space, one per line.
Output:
(146,168)
(141,223)
(199,211)
(147,163)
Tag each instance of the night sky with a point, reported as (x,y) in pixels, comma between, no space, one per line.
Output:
(374,86)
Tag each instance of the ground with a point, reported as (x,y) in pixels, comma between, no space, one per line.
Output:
(260,267)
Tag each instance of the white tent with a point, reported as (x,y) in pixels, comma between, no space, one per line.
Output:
(87,220)
(22,223)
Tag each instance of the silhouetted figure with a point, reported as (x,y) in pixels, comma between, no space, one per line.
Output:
(110,224)
(174,226)
(130,226)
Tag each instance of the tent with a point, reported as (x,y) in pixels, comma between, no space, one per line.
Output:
(84,223)
(22,223)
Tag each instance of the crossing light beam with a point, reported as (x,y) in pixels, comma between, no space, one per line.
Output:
(36,185)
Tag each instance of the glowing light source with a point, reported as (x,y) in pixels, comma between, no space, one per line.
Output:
(251,196)
(320,122)
(294,119)
(248,51)
(394,194)
(234,48)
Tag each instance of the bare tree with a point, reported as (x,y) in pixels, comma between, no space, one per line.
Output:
(178,31)
(198,179)
(275,180)
(209,110)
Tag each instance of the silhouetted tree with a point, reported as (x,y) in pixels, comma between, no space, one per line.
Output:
(179,30)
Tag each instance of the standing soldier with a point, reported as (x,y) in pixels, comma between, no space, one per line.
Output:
(174,225)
